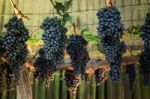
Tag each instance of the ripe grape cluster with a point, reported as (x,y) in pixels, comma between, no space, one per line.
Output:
(77,50)
(110,30)
(145,55)
(72,81)
(52,54)
(14,45)
(146,32)
(130,70)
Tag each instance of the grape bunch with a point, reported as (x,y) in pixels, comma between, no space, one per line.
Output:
(145,68)
(14,45)
(79,55)
(130,70)
(145,55)
(52,54)
(146,32)
(110,30)
(72,81)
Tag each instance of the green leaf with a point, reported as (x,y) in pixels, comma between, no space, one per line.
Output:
(67,5)
(92,39)
(67,17)
(86,32)
(59,6)
(63,22)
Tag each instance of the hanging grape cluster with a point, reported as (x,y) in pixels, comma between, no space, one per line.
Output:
(146,32)
(14,45)
(110,30)
(130,70)
(145,55)
(77,50)
(72,81)
(52,54)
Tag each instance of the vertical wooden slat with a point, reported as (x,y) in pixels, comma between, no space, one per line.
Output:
(100,91)
(87,91)
(137,87)
(80,93)
(56,85)
(93,88)
(2,17)
(109,90)
(64,87)
(127,91)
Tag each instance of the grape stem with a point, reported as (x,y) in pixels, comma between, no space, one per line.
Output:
(55,8)
(61,14)
(18,12)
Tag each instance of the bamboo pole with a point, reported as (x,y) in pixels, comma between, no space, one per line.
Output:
(64,87)
(109,89)
(93,88)
(137,87)
(56,85)
(80,92)
(145,90)
(127,91)
(2,17)
(100,91)
(87,91)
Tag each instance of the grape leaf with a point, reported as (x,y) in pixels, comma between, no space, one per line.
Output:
(59,6)
(86,31)
(67,17)
(67,5)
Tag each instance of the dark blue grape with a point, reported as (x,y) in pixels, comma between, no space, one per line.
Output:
(79,55)
(13,44)
(52,54)
(72,81)
(145,55)
(110,30)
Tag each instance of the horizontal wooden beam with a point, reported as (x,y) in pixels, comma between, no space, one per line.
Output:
(91,66)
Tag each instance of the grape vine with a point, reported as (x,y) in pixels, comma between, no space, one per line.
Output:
(110,30)
(52,54)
